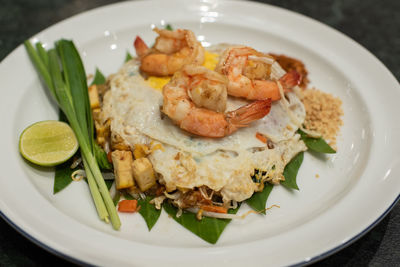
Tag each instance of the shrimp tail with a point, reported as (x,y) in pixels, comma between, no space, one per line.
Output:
(140,46)
(242,116)
(290,79)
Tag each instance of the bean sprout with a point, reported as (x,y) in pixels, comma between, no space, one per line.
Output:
(78,175)
(76,163)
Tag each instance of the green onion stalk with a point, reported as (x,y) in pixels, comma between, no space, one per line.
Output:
(62,71)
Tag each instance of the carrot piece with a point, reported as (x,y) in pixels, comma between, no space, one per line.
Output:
(127,205)
(109,157)
(261,137)
(214,209)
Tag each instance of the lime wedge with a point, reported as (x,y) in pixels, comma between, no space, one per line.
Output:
(48,143)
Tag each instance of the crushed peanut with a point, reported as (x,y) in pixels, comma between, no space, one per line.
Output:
(323,114)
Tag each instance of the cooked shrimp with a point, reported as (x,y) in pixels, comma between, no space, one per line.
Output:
(206,88)
(171,51)
(289,64)
(248,73)
(179,106)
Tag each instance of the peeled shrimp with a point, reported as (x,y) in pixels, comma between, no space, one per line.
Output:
(206,88)
(171,51)
(248,72)
(180,107)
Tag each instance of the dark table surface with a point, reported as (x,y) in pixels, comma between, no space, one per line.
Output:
(374,24)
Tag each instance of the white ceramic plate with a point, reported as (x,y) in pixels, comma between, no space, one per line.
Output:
(355,189)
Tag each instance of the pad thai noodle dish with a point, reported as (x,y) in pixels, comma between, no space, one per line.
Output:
(199,131)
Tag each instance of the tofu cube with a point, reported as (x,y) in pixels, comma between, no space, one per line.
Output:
(97,115)
(102,132)
(143,173)
(122,161)
(94,97)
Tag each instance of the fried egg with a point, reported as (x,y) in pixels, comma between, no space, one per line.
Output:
(186,161)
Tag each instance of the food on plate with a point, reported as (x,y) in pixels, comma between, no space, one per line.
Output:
(209,143)
(128,205)
(324,114)
(171,51)
(199,131)
(195,99)
(289,64)
(62,72)
(248,72)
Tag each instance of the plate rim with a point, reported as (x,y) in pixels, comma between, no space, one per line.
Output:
(316,258)
(304,262)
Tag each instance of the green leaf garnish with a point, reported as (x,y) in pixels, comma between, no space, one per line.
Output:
(100,154)
(109,183)
(128,57)
(65,78)
(42,54)
(291,170)
(258,200)
(41,66)
(62,176)
(128,196)
(149,212)
(316,144)
(169,27)
(98,78)
(101,157)
(116,198)
(208,229)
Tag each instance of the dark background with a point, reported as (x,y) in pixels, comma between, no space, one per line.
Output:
(372,23)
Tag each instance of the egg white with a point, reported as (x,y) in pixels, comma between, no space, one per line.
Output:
(188,161)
